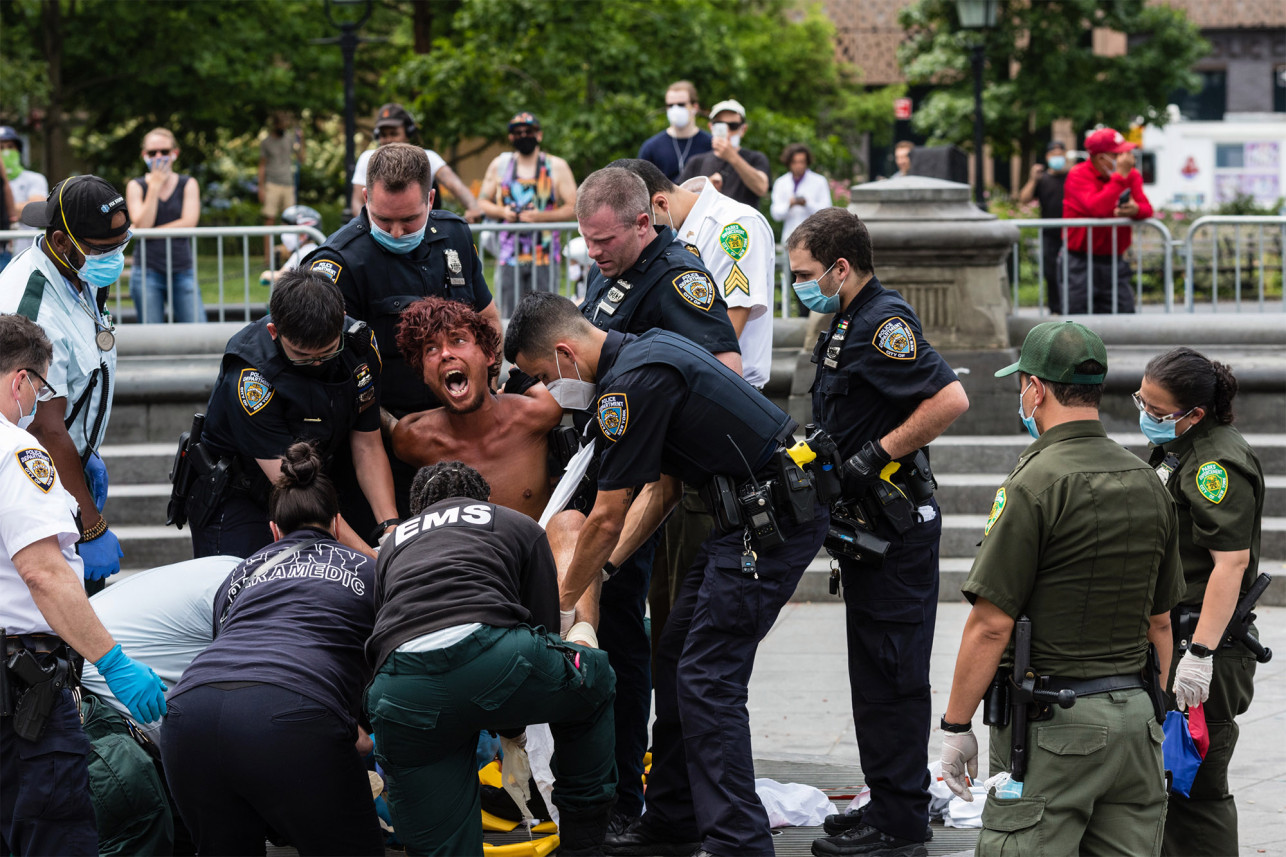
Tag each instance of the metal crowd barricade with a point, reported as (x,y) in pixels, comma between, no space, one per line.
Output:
(1212,222)
(1090,223)
(509,282)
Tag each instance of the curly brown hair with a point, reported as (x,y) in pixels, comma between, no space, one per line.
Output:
(429,318)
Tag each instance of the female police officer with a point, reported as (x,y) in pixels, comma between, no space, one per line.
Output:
(1185,410)
(261,727)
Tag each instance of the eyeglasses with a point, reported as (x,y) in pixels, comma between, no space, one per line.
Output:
(152,153)
(97,250)
(1168,418)
(44,392)
(316,358)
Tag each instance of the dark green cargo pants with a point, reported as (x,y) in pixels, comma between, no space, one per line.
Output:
(427,709)
(1206,821)
(1095,783)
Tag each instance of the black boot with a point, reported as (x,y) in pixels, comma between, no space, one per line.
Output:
(581,832)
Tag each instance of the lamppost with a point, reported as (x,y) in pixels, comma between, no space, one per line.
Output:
(977,15)
(348,41)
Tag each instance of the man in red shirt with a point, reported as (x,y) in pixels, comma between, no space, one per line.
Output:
(1106,185)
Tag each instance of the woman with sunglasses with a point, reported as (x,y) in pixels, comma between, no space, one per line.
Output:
(1185,410)
(305,372)
(163,268)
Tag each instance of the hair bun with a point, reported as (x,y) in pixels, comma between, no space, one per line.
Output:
(300,465)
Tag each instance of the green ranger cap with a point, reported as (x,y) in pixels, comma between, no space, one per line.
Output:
(1053,350)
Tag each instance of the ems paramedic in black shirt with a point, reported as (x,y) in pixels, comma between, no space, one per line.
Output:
(883,393)
(667,412)
(262,726)
(305,372)
(643,278)
(464,592)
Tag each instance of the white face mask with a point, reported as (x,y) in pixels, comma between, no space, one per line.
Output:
(25,420)
(571,395)
(678,115)
(291,241)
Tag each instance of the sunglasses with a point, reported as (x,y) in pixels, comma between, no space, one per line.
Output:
(45,391)
(1168,418)
(669,104)
(152,153)
(97,250)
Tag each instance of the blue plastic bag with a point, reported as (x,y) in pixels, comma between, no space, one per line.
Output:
(1182,759)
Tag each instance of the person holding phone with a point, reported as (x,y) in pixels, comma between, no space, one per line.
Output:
(734,171)
(163,276)
(1105,185)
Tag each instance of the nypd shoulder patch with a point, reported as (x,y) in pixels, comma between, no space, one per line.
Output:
(38,466)
(328,269)
(1212,481)
(695,288)
(997,506)
(613,415)
(254,391)
(894,338)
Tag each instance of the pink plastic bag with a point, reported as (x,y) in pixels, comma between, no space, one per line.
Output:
(1197,726)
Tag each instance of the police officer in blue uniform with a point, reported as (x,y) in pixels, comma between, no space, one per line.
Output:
(667,412)
(305,372)
(396,251)
(883,394)
(643,278)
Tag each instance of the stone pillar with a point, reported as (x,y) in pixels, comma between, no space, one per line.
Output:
(948,260)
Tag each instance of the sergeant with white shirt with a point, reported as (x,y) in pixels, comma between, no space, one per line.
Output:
(61,284)
(45,804)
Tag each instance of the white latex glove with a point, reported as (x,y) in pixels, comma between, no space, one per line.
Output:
(1192,680)
(959,753)
(582,633)
(566,618)
(515,770)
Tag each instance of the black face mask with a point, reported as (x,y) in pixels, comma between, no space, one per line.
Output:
(526,145)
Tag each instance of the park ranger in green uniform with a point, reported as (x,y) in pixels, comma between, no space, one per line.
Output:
(1081,541)
(1185,410)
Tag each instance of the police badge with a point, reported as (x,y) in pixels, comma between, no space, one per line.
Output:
(453,261)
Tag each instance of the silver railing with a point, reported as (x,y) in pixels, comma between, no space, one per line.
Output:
(1062,265)
(1264,244)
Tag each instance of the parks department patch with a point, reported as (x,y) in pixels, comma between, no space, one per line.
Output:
(734,240)
(327,269)
(38,466)
(254,391)
(695,288)
(613,415)
(895,339)
(1212,481)
(997,507)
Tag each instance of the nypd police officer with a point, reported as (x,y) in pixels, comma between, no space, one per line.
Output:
(643,278)
(667,412)
(45,805)
(883,394)
(305,372)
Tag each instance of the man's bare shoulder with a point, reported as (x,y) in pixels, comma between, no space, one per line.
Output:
(415,436)
(535,411)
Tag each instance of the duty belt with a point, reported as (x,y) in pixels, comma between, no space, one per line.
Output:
(37,644)
(1092,686)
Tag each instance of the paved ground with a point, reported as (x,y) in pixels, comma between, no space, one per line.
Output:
(799,708)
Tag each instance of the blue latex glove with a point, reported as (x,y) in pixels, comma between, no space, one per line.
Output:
(96,480)
(102,556)
(134,684)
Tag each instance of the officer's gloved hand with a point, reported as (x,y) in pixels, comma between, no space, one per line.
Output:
(96,480)
(101,555)
(134,684)
(864,468)
(1192,680)
(566,618)
(519,381)
(959,754)
(515,770)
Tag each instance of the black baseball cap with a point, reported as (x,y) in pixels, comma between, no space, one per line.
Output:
(1053,350)
(82,206)
(524,119)
(393,114)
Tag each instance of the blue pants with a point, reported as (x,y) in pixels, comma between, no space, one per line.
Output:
(150,292)
(622,634)
(238,528)
(702,784)
(890,612)
(45,806)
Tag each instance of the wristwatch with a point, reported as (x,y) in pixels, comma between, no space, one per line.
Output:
(956,728)
(1198,651)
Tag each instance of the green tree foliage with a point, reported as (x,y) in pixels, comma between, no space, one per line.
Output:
(595,72)
(1055,74)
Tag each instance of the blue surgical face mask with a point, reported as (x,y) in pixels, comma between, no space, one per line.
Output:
(810,293)
(1057,162)
(101,271)
(401,246)
(1029,420)
(1154,430)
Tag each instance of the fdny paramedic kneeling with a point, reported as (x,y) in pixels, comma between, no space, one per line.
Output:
(305,372)
(464,591)
(667,411)
(261,729)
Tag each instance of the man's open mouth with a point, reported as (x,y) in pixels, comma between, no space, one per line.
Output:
(457,384)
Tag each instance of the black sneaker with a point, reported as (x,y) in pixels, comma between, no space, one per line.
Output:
(866,840)
(619,822)
(840,822)
(638,840)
